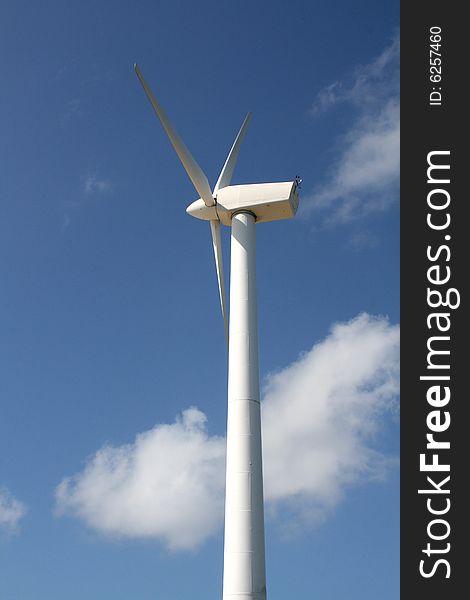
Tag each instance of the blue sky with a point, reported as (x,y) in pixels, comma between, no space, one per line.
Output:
(113,365)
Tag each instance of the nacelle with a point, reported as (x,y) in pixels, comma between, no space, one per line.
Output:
(267,201)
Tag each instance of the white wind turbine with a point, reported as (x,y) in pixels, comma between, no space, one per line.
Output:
(238,206)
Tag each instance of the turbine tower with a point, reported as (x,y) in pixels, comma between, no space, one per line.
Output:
(240,207)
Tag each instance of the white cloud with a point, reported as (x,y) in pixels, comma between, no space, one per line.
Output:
(321,416)
(11,511)
(167,484)
(364,175)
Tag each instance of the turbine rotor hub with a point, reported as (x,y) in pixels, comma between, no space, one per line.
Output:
(199,210)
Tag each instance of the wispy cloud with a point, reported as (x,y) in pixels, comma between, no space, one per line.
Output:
(364,175)
(369,84)
(321,418)
(12,511)
(327,97)
(92,187)
(363,240)
(73,109)
(94,184)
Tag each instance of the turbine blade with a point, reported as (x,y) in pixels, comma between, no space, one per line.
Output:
(217,245)
(194,171)
(226,174)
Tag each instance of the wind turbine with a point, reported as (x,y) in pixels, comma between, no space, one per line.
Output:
(240,207)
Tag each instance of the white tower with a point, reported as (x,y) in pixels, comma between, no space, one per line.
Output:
(244,567)
(241,207)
